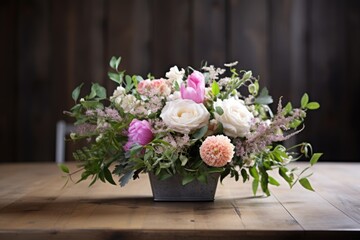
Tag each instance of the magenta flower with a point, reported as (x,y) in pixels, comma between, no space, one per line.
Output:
(195,89)
(139,132)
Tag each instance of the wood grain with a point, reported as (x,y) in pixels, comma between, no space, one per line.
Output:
(34,204)
(48,47)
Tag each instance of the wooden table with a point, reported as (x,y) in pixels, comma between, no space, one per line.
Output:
(33,205)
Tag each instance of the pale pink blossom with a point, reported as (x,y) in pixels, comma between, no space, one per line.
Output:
(154,87)
(217,151)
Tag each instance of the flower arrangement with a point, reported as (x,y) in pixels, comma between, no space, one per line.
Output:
(190,122)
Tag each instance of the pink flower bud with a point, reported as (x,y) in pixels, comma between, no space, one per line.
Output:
(139,132)
(195,89)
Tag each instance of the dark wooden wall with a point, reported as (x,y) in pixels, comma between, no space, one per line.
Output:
(47,47)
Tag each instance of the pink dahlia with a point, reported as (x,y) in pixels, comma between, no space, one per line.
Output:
(217,151)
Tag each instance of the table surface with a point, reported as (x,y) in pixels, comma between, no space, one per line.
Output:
(33,205)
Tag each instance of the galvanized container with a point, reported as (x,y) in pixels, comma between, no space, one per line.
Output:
(171,189)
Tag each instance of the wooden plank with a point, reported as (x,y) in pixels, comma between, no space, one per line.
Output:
(10,192)
(8,76)
(252,210)
(312,210)
(106,210)
(62,33)
(327,64)
(33,116)
(298,48)
(327,187)
(248,36)
(352,73)
(129,35)
(170,49)
(279,49)
(209,32)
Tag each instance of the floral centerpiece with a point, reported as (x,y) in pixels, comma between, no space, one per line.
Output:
(189,122)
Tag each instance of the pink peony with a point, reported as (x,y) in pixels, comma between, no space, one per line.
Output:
(195,89)
(139,132)
(217,151)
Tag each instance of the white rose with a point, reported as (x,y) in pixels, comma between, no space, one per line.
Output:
(184,115)
(175,75)
(236,118)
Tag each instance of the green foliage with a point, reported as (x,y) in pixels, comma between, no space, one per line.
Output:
(315,157)
(215,88)
(264,97)
(75,94)
(64,168)
(304,100)
(219,110)
(306,184)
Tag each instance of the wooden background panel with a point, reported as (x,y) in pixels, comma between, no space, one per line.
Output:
(8,76)
(249,36)
(48,47)
(34,110)
(209,32)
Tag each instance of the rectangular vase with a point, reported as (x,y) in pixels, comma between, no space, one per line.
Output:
(171,189)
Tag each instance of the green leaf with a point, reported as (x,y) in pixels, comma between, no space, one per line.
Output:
(244,175)
(219,110)
(136,79)
(114,62)
(101,176)
(135,149)
(247,75)
(287,109)
(264,97)
(176,86)
(125,178)
(295,123)
(202,178)
(220,128)
(215,170)
(108,176)
(75,94)
(183,160)
(128,80)
(255,186)
(215,88)
(304,100)
(314,158)
(264,181)
(91,104)
(252,89)
(187,179)
(64,168)
(254,172)
(200,133)
(93,181)
(306,184)
(148,155)
(97,90)
(273,181)
(224,174)
(116,77)
(313,105)
(285,176)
